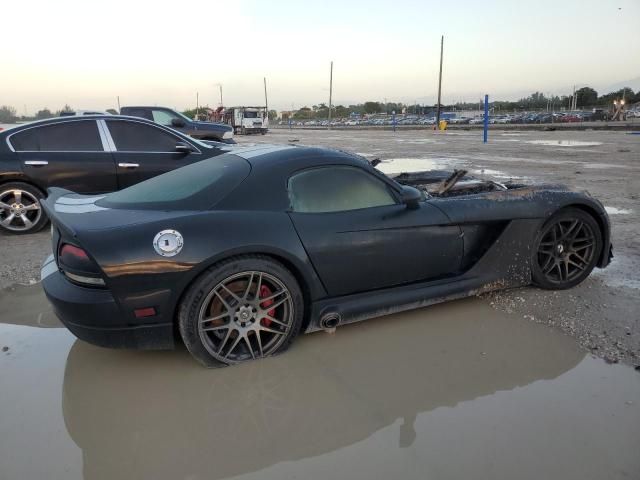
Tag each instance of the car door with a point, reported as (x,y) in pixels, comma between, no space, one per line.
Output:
(69,154)
(360,237)
(142,150)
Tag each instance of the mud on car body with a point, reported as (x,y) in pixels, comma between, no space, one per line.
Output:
(237,255)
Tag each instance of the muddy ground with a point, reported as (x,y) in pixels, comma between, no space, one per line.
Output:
(495,387)
(458,390)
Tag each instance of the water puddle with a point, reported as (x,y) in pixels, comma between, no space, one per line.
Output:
(458,390)
(604,165)
(401,165)
(617,211)
(564,143)
(416,141)
(27,306)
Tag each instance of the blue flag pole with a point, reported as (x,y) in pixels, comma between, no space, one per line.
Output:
(486,118)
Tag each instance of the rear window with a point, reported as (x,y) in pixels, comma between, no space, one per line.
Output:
(76,136)
(198,186)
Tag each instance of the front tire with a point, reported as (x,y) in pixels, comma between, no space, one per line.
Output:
(241,309)
(20,209)
(566,249)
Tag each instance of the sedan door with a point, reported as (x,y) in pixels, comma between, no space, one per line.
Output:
(359,237)
(68,154)
(142,150)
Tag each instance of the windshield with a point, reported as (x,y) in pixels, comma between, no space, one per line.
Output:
(198,186)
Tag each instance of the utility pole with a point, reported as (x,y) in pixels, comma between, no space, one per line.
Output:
(266,103)
(220,85)
(330,92)
(118,99)
(197,105)
(440,82)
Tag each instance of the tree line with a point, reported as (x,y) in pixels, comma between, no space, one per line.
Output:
(586,97)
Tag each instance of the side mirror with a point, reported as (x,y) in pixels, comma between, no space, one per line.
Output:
(183,147)
(411,197)
(177,122)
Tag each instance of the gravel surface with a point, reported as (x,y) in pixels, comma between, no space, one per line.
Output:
(22,257)
(602,313)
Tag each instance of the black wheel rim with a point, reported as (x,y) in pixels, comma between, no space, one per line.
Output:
(246,316)
(566,250)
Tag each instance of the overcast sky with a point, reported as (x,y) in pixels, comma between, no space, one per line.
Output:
(86,52)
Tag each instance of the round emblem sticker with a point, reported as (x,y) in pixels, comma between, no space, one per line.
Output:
(168,243)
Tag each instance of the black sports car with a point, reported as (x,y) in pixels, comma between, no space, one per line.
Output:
(86,154)
(238,254)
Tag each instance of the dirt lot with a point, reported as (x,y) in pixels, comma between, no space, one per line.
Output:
(488,387)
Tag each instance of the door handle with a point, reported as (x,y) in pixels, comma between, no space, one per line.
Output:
(129,165)
(36,163)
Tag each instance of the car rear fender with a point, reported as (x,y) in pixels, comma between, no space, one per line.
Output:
(138,276)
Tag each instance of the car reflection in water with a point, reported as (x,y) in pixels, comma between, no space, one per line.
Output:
(160,415)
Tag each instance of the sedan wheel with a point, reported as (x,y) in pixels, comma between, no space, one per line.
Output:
(234,314)
(20,210)
(567,249)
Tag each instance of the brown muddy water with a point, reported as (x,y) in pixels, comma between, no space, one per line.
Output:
(448,392)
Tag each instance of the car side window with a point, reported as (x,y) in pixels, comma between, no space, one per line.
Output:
(140,137)
(78,136)
(163,117)
(139,112)
(337,189)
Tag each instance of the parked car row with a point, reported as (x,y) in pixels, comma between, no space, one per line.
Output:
(351,122)
(512,118)
(545,117)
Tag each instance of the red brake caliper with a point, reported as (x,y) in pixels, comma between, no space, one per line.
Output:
(266,292)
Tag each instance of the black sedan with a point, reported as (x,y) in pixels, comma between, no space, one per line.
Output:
(238,254)
(89,154)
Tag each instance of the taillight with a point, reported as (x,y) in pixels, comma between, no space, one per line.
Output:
(76,265)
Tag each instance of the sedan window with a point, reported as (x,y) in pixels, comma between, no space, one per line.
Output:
(78,136)
(335,189)
(140,137)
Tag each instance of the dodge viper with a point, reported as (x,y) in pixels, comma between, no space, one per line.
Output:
(237,254)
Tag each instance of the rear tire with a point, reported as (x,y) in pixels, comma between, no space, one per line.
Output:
(566,249)
(20,209)
(241,309)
